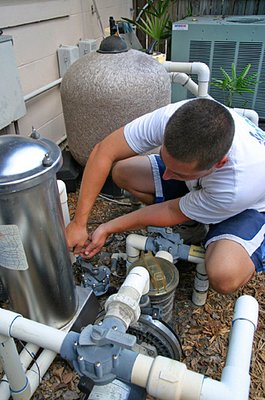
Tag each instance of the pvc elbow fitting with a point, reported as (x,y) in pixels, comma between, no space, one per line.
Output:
(134,243)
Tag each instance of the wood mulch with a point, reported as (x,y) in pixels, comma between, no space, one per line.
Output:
(203,331)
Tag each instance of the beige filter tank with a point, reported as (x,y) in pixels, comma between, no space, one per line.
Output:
(104,90)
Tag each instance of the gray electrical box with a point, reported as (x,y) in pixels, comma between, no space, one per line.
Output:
(12,105)
(67,55)
(87,46)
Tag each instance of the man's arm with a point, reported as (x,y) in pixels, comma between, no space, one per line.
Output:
(113,148)
(162,214)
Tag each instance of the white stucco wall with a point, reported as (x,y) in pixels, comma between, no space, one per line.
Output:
(38,28)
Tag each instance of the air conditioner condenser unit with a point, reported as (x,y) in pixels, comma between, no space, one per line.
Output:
(219,42)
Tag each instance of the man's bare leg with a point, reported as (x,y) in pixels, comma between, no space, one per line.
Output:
(135,175)
(228,266)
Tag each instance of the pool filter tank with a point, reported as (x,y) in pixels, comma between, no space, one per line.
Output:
(40,286)
(104,90)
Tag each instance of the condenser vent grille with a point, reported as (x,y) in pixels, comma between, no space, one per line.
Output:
(260,99)
(223,55)
(248,53)
(200,51)
(216,54)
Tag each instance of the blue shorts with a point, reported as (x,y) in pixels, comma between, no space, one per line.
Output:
(246,228)
(165,189)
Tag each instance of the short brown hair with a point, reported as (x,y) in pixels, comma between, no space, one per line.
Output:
(200,130)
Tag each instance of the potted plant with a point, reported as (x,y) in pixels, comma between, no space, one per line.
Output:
(235,83)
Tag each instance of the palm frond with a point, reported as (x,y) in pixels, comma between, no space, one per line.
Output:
(236,83)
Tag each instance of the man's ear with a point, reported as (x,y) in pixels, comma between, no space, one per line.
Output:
(222,162)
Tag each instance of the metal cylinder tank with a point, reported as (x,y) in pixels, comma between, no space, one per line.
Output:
(103,91)
(29,201)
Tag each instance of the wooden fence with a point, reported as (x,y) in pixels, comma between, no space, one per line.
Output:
(182,8)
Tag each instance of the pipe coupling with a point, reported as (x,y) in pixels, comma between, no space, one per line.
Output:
(123,307)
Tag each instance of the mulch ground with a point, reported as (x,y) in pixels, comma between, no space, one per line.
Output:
(203,331)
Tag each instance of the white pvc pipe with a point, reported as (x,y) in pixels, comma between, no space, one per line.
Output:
(65,210)
(34,376)
(236,371)
(124,305)
(27,330)
(201,69)
(201,285)
(14,325)
(134,243)
(28,354)
(26,358)
(246,312)
(235,380)
(185,81)
(214,390)
(195,260)
(167,379)
(39,368)
(163,378)
(42,89)
(15,373)
(138,279)
(181,78)
(252,115)
(4,389)
(63,199)
(196,254)
(203,72)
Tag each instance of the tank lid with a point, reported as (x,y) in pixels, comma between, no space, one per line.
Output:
(113,44)
(24,158)
(164,276)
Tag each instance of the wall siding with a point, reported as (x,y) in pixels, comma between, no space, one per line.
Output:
(38,28)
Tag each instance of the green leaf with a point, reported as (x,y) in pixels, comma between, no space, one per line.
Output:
(232,84)
(227,77)
(233,70)
(155,20)
(244,72)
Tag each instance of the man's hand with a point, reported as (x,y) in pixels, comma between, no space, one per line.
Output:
(95,242)
(76,237)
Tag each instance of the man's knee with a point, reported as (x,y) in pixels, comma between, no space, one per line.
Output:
(221,281)
(117,174)
(228,266)
(134,175)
